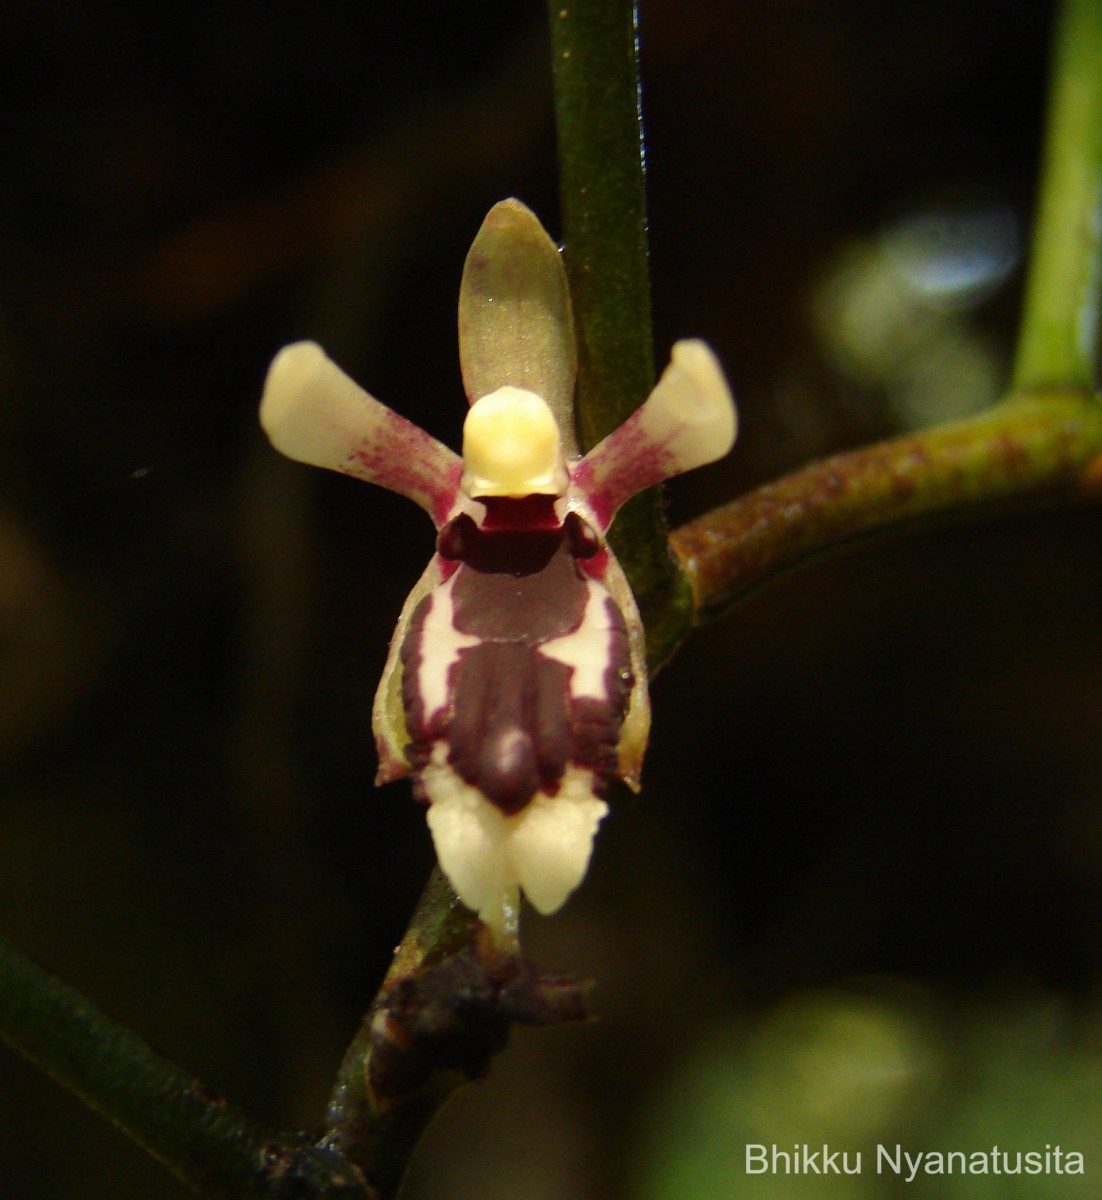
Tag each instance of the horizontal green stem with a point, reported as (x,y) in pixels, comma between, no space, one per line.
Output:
(1027,448)
(207,1143)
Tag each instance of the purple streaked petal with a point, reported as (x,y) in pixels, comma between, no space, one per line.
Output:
(515,321)
(688,420)
(313,412)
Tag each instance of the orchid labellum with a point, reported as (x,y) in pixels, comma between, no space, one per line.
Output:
(516,684)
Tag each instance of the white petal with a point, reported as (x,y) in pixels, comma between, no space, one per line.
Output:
(545,848)
(471,838)
(313,412)
(553,839)
(688,420)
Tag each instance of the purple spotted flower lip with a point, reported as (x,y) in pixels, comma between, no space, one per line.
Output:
(516,684)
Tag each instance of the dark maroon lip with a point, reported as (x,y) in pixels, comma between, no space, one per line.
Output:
(512,725)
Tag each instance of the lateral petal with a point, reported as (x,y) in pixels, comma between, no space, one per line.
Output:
(313,412)
(688,420)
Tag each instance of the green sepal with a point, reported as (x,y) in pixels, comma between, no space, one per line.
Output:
(516,325)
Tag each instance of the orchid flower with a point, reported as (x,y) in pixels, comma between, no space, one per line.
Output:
(516,684)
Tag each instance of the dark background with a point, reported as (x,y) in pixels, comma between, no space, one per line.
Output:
(884,767)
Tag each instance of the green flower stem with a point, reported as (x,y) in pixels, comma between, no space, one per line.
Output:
(594,51)
(1059,337)
(207,1143)
(596,72)
(1047,446)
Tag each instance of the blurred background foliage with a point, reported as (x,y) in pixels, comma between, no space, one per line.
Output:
(859,898)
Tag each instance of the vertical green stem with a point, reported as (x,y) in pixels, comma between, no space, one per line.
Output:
(597,108)
(1058,344)
(595,57)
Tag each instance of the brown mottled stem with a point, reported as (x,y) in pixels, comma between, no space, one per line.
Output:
(1047,446)
(208,1144)
(383,1140)
(446,1007)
